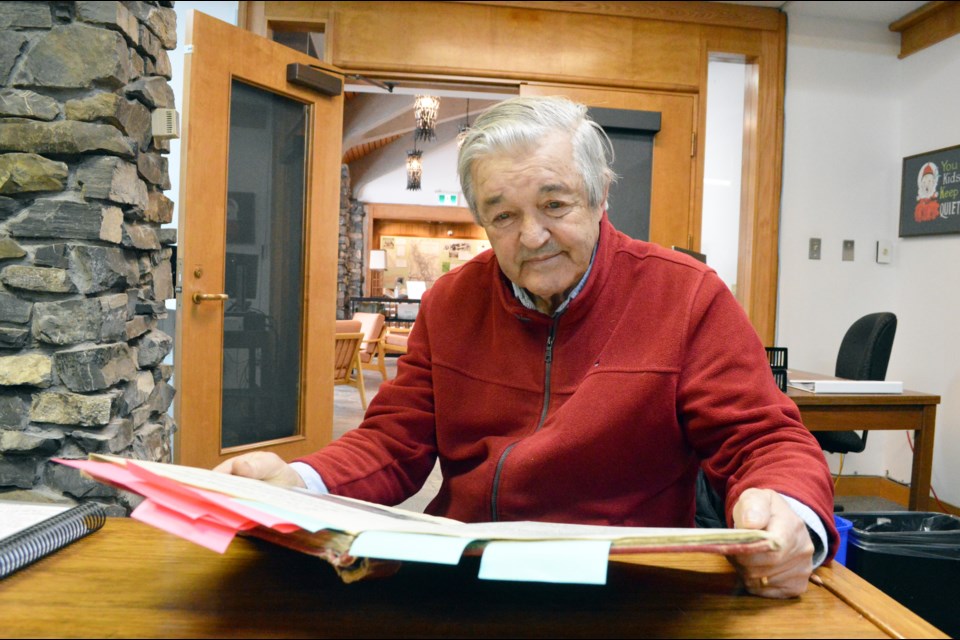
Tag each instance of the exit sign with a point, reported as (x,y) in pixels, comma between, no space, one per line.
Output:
(448,199)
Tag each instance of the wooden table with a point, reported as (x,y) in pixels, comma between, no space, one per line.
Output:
(910,410)
(130,580)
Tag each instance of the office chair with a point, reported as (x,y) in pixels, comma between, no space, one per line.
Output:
(864,354)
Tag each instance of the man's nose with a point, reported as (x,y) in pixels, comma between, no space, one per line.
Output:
(533,233)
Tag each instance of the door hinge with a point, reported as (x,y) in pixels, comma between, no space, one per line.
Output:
(693,144)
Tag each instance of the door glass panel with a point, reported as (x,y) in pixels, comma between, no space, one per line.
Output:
(263,270)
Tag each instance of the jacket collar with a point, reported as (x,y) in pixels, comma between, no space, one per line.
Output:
(583,295)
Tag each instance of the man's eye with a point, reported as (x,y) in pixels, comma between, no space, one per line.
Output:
(501,219)
(554,206)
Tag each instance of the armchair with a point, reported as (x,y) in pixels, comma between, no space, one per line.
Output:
(395,340)
(346,357)
(373,326)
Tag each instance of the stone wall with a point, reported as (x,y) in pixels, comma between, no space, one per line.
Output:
(84,264)
(350,252)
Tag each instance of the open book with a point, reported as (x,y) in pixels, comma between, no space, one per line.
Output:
(360,539)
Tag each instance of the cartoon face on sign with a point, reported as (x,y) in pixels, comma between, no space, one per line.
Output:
(927,181)
(927,208)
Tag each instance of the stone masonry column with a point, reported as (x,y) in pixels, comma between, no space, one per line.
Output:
(84,264)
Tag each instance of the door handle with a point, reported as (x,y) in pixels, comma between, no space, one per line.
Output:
(209,297)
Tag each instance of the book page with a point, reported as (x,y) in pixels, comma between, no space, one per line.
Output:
(17,516)
(355,516)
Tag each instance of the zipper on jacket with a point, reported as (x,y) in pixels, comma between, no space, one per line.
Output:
(548,361)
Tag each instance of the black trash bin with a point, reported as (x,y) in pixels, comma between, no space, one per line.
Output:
(912,556)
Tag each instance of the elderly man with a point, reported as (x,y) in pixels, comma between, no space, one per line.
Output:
(573,374)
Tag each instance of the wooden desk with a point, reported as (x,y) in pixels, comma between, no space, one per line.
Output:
(130,580)
(910,410)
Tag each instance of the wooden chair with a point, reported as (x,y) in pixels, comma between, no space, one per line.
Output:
(346,357)
(374,327)
(395,340)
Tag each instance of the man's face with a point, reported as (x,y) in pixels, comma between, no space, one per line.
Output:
(533,205)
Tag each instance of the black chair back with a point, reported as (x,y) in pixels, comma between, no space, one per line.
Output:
(865,349)
(864,355)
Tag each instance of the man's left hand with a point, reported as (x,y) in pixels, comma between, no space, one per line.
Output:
(783,573)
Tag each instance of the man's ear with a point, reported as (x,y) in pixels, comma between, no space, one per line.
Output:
(606,193)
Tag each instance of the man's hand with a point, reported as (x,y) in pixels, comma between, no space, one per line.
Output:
(773,574)
(262,465)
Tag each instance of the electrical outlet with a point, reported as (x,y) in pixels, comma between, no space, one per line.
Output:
(848,250)
(814,249)
(884,251)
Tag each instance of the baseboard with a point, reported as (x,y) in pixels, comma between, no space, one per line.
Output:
(887,489)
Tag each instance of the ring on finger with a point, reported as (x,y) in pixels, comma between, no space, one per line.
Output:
(764,581)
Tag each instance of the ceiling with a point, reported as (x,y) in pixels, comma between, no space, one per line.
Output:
(378,114)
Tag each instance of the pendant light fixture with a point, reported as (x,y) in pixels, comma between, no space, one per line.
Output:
(465,127)
(425,110)
(414,167)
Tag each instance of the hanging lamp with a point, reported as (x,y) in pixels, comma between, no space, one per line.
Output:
(414,167)
(425,110)
(465,127)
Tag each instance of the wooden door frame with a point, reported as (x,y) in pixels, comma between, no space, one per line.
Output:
(757,34)
(203,175)
(672,153)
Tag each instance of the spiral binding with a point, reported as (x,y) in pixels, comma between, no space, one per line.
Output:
(43,538)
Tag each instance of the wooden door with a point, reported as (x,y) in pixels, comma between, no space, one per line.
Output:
(259,221)
(674,213)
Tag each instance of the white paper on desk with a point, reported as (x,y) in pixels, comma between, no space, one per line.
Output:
(561,561)
(847,386)
(17,516)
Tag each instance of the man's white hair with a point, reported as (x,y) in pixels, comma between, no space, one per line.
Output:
(523,122)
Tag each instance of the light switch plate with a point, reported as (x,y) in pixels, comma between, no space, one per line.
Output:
(814,249)
(848,250)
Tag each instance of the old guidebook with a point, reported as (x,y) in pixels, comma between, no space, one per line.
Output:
(360,539)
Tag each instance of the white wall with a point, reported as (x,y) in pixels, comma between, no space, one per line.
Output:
(853,111)
(382,177)
(723,156)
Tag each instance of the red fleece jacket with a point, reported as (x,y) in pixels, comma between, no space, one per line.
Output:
(599,416)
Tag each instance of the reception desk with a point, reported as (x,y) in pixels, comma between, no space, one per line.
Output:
(130,580)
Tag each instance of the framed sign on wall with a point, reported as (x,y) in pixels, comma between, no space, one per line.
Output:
(426,259)
(930,193)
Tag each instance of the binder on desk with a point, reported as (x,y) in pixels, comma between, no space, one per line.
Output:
(361,540)
(848,386)
(30,531)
